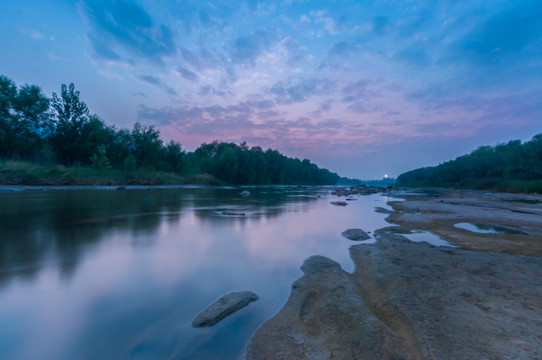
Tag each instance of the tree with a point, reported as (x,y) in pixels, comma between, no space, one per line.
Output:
(99,160)
(147,145)
(69,115)
(23,120)
(173,157)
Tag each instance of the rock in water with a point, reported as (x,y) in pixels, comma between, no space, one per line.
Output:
(224,306)
(339,203)
(319,264)
(233,213)
(244,193)
(355,234)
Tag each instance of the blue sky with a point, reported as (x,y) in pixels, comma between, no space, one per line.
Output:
(363,88)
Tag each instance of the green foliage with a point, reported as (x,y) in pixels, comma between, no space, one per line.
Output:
(23,120)
(147,145)
(99,160)
(129,163)
(507,167)
(62,129)
(69,115)
(237,164)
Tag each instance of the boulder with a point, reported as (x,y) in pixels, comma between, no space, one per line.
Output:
(355,234)
(224,306)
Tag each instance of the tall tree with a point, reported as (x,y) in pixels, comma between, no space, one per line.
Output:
(69,116)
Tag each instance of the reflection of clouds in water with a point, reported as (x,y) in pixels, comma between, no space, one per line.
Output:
(291,239)
(146,261)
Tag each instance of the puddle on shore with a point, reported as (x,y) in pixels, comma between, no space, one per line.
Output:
(428,237)
(486,229)
(477,228)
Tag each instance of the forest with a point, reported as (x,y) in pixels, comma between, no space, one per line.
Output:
(512,166)
(62,130)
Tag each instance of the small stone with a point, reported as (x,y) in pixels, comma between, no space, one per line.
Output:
(355,234)
(233,213)
(245,193)
(223,307)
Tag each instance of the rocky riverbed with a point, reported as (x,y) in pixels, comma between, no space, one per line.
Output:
(406,300)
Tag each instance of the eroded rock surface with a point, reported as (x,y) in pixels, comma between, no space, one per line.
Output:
(224,306)
(438,210)
(325,317)
(409,300)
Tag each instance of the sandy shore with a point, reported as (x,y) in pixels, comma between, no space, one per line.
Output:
(409,300)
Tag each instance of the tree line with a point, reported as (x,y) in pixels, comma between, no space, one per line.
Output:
(62,130)
(488,167)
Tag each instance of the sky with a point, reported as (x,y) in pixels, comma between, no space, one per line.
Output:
(363,88)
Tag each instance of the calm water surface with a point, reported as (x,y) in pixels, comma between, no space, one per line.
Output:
(106,274)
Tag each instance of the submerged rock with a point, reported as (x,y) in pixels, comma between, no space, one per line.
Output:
(355,234)
(224,306)
(339,203)
(233,213)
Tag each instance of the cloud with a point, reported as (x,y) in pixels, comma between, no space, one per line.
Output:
(243,121)
(36,35)
(356,91)
(300,89)
(208,90)
(332,25)
(122,30)
(187,74)
(199,59)
(294,51)
(246,49)
(155,81)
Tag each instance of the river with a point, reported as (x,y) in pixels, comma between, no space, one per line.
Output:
(99,273)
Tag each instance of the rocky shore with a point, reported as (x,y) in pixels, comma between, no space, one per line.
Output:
(409,300)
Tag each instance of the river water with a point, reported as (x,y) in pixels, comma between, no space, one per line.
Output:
(97,273)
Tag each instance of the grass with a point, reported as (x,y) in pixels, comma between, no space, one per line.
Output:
(27,173)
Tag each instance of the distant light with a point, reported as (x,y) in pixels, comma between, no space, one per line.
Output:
(385,176)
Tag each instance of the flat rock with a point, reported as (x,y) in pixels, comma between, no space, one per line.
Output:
(409,300)
(355,235)
(224,306)
(339,203)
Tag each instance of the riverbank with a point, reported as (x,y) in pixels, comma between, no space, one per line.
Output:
(408,300)
(26,173)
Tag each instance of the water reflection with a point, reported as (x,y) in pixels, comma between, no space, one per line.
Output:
(120,274)
(43,226)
